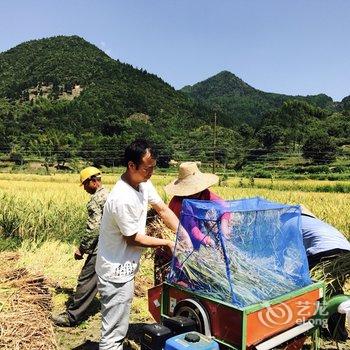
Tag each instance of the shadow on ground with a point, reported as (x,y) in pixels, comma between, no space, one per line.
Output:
(94,307)
(88,345)
(132,342)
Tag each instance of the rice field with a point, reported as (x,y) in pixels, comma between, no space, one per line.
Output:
(42,218)
(39,208)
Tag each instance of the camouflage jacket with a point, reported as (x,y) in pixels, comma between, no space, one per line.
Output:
(88,243)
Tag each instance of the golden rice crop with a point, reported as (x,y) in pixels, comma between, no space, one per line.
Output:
(328,206)
(40,207)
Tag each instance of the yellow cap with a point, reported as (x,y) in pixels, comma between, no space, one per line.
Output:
(87,173)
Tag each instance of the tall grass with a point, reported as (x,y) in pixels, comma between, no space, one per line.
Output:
(41,208)
(40,211)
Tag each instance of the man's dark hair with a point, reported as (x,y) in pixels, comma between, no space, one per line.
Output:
(136,151)
(95,177)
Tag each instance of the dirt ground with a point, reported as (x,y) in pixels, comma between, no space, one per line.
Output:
(87,334)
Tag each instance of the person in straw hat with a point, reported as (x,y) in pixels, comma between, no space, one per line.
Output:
(191,183)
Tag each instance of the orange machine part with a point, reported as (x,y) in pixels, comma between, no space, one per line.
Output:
(227,323)
(274,319)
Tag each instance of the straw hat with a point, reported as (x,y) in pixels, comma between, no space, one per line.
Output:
(306,211)
(190,181)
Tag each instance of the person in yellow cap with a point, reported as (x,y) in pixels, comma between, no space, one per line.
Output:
(86,290)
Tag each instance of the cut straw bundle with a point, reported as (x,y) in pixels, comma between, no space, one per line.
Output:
(25,309)
(156,228)
(252,279)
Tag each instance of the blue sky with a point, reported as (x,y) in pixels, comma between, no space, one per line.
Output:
(292,47)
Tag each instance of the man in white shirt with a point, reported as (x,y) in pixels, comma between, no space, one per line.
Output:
(122,236)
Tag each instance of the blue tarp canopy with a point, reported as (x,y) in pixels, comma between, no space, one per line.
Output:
(243,251)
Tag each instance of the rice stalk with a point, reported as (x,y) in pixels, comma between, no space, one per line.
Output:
(156,228)
(252,279)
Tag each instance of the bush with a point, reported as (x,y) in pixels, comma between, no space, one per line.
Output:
(17,158)
(320,148)
(311,169)
(262,174)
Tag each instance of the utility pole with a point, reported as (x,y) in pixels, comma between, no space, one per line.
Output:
(214,144)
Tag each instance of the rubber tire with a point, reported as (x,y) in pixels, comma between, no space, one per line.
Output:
(186,309)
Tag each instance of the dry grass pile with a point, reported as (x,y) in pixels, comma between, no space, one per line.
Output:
(25,304)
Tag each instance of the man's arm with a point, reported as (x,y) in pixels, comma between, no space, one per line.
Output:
(149,242)
(169,219)
(167,215)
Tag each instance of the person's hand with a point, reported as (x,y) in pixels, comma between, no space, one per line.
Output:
(208,242)
(184,239)
(78,255)
(227,224)
(171,246)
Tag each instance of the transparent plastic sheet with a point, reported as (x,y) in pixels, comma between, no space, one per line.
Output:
(242,252)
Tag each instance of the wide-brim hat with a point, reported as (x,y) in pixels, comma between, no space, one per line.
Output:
(306,211)
(190,181)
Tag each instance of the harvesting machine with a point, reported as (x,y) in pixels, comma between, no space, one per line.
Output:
(248,287)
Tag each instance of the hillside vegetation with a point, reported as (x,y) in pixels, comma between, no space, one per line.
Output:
(63,100)
(239,102)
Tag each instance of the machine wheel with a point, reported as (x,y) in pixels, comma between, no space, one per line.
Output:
(194,310)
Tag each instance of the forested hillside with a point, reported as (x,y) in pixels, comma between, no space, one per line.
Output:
(114,102)
(63,100)
(238,102)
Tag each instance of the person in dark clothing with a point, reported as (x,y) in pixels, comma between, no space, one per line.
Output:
(86,289)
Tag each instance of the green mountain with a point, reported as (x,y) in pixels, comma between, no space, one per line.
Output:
(62,66)
(345,103)
(239,102)
(62,99)
(66,88)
